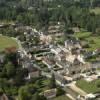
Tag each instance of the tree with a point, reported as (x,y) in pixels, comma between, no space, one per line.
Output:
(42,97)
(44,16)
(12,57)
(3,84)
(10,69)
(19,18)
(52,83)
(60,91)
(20,76)
(23,94)
(36,96)
(98,31)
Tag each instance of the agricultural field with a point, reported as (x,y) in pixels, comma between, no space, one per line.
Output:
(6,42)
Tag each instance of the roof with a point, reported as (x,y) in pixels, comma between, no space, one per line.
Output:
(68,78)
(50,92)
(3,97)
(2,56)
(90,95)
(32,69)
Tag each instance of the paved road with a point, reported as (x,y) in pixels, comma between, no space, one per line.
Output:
(96,65)
(20,46)
(78,90)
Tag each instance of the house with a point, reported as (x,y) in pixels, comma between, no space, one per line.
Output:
(33,72)
(3,96)
(55,29)
(60,78)
(49,94)
(88,54)
(73,43)
(76,29)
(90,97)
(2,56)
(55,49)
(46,39)
(76,69)
(49,61)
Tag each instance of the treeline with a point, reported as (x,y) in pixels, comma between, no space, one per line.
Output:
(39,13)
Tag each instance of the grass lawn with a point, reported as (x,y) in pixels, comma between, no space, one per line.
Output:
(98,69)
(93,41)
(82,34)
(89,87)
(63,97)
(95,10)
(7,42)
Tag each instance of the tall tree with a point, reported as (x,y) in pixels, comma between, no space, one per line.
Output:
(52,83)
(10,69)
(23,94)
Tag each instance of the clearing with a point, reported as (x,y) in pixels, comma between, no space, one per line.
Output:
(93,41)
(6,42)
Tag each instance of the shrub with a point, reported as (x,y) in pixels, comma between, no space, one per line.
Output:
(60,91)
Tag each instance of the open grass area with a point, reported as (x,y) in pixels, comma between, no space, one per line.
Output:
(93,41)
(7,42)
(63,97)
(89,87)
(96,10)
(82,34)
(98,69)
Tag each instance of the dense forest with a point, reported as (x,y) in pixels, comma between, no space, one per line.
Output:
(39,13)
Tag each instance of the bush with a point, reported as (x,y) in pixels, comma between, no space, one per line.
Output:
(36,96)
(42,97)
(60,91)
(98,85)
(86,46)
(92,41)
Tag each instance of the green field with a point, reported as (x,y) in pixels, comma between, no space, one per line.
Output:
(95,10)
(89,87)
(93,41)
(7,42)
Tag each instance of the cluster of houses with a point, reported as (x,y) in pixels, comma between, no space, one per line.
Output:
(67,59)
(67,62)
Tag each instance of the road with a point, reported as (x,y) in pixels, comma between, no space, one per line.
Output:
(20,46)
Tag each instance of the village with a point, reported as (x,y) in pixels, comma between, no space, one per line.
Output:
(66,61)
